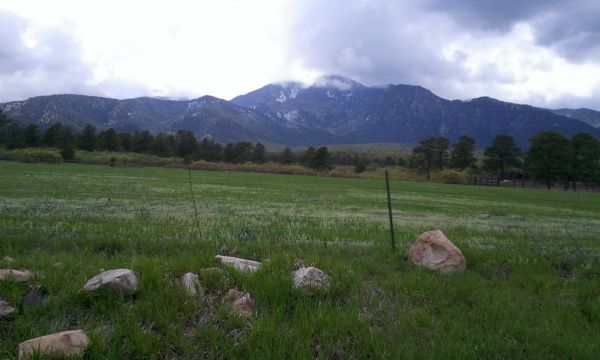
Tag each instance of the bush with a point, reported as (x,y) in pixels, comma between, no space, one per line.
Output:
(451,177)
(68,152)
(32,155)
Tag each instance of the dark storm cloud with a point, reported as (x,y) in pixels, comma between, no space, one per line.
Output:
(375,42)
(571,27)
(36,61)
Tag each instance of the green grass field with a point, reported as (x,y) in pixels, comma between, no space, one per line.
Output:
(531,289)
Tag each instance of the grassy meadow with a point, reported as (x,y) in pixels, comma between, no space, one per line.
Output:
(531,289)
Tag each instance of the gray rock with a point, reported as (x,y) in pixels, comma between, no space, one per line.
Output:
(5,309)
(239,264)
(17,275)
(310,277)
(192,284)
(434,251)
(63,344)
(8,260)
(35,296)
(123,280)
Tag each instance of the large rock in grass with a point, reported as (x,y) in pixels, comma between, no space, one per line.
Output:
(434,251)
(5,309)
(123,280)
(16,275)
(239,264)
(191,283)
(310,277)
(63,344)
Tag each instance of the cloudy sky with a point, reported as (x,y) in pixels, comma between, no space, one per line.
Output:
(542,52)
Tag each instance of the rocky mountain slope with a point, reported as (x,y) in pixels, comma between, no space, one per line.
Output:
(332,110)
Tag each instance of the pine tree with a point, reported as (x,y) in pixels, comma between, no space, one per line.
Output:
(87,139)
(462,155)
(502,155)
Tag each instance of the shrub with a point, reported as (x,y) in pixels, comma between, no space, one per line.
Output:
(68,152)
(451,177)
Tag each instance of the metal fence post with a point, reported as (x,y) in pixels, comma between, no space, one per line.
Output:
(389,201)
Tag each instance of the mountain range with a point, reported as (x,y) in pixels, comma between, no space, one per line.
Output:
(334,110)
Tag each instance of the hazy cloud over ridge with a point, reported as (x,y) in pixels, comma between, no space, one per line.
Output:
(540,52)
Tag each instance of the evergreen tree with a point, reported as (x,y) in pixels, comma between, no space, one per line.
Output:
(15,137)
(108,140)
(209,150)
(502,155)
(321,159)
(51,137)
(31,134)
(548,157)
(163,144)
(141,141)
(584,163)
(286,157)
(3,128)
(462,155)
(187,144)
(126,141)
(87,138)
(259,153)
(430,154)
(308,157)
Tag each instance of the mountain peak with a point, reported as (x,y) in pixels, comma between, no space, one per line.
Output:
(337,81)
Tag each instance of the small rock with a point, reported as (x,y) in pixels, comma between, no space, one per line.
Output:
(35,296)
(17,275)
(310,277)
(5,309)
(233,294)
(239,264)
(243,306)
(241,303)
(8,260)
(434,251)
(483,216)
(192,284)
(123,280)
(66,343)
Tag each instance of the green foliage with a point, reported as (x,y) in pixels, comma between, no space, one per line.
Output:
(87,139)
(31,134)
(448,176)
(502,155)
(430,154)
(318,159)
(287,156)
(186,143)
(163,145)
(34,155)
(548,157)
(109,140)
(209,150)
(584,162)
(259,153)
(463,153)
(68,152)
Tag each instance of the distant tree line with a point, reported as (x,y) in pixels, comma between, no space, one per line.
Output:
(551,158)
(182,144)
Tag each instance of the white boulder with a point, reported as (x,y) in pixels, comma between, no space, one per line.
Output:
(123,280)
(239,264)
(306,277)
(63,344)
